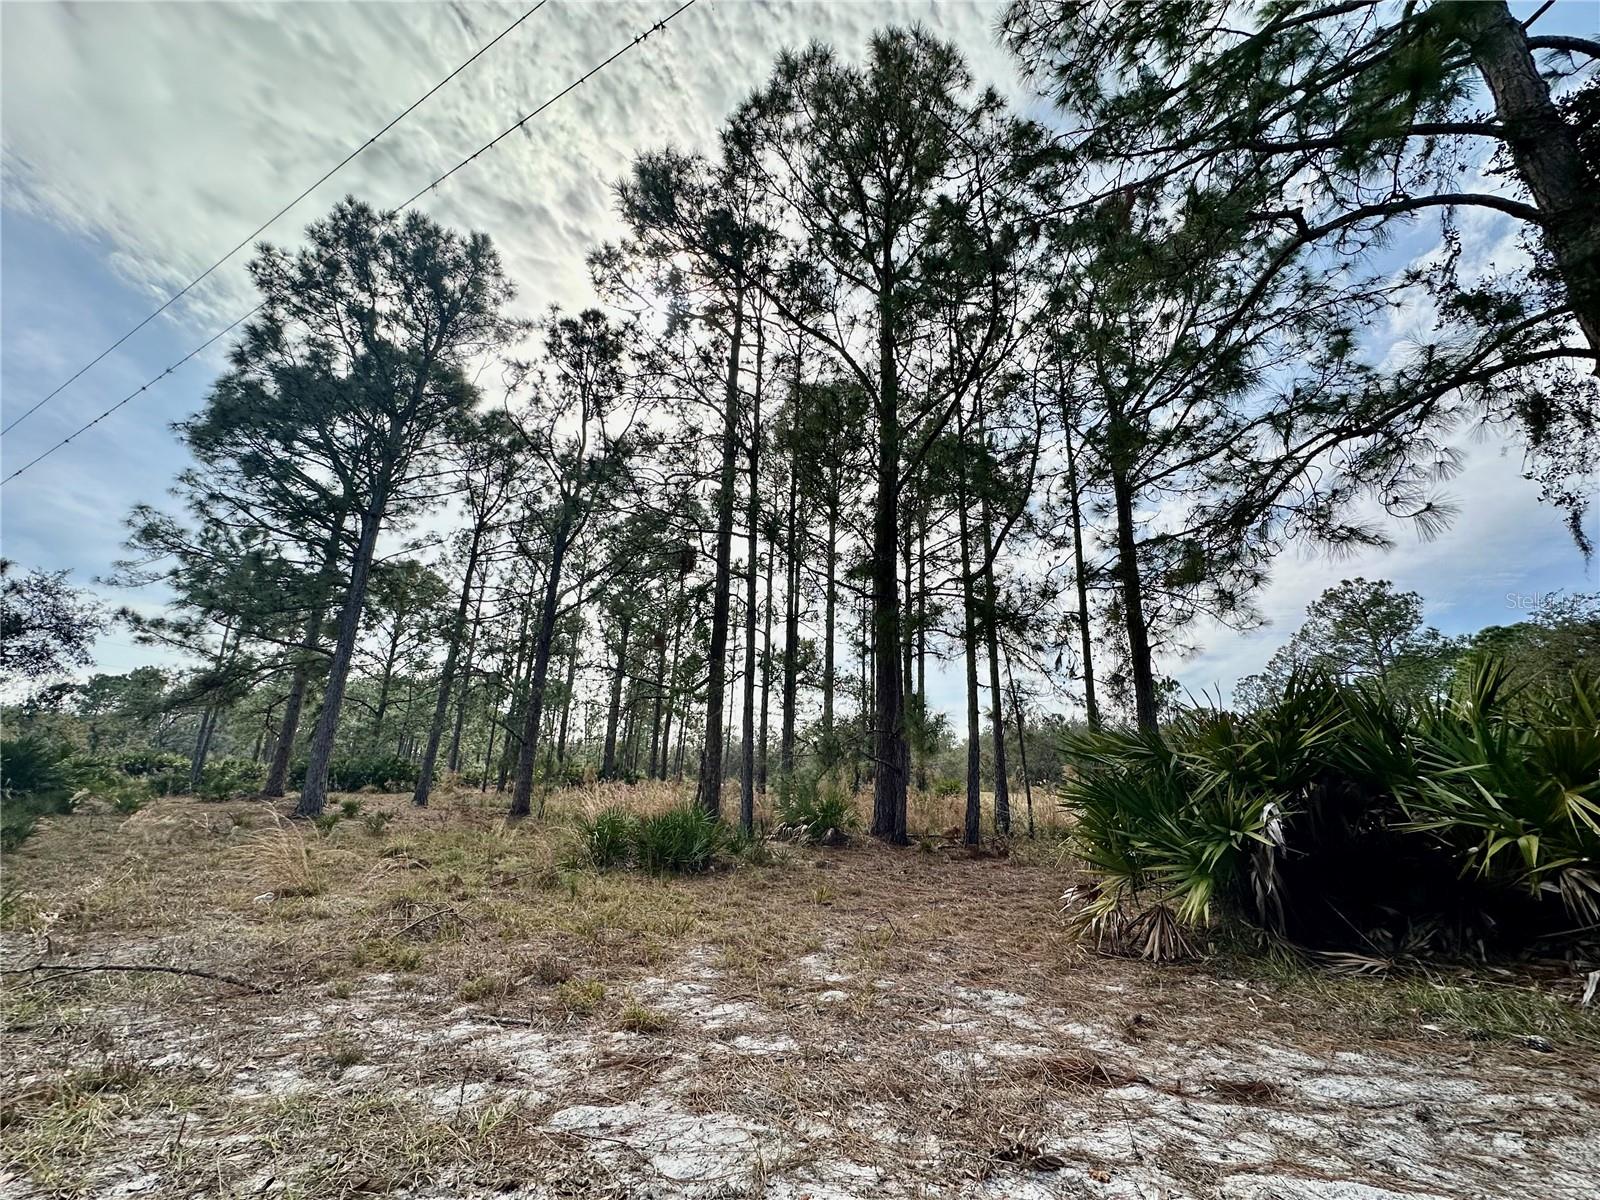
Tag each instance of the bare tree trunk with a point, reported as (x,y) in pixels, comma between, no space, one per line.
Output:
(710,789)
(447,676)
(283,749)
(314,796)
(1091,707)
(608,764)
(1547,154)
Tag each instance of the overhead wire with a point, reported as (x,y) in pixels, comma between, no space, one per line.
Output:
(259,229)
(637,40)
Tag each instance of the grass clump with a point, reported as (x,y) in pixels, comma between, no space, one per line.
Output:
(486,987)
(580,997)
(609,838)
(681,840)
(819,811)
(636,1018)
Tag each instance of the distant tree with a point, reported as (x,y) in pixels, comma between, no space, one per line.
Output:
(1359,630)
(1560,636)
(688,212)
(484,456)
(47,626)
(404,603)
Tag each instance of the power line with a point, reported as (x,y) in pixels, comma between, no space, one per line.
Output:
(237,321)
(250,237)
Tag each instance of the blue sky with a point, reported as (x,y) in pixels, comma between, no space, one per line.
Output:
(140,140)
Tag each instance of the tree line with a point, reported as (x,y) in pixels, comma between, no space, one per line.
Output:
(890,374)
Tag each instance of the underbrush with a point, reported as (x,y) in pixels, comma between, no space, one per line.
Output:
(681,840)
(1342,818)
(815,810)
(367,772)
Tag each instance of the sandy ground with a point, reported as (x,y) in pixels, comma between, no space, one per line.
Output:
(450,1019)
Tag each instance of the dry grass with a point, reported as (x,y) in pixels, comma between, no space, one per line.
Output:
(465,1014)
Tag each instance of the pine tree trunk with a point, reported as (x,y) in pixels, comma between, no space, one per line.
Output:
(522,792)
(656,747)
(766,671)
(447,677)
(1546,152)
(747,773)
(572,671)
(991,622)
(972,828)
(890,751)
(283,748)
(1139,659)
(453,761)
(922,634)
(830,613)
(709,794)
(314,796)
(608,764)
(515,697)
(672,683)
(1091,706)
(791,635)
(1022,744)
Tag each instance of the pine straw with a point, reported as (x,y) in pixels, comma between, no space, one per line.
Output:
(451,996)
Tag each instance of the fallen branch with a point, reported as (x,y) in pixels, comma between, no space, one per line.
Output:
(147,968)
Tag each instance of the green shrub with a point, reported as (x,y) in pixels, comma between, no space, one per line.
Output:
(138,764)
(567,772)
(815,810)
(609,839)
(381,772)
(680,840)
(225,778)
(1507,780)
(1339,816)
(34,783)
(101,777)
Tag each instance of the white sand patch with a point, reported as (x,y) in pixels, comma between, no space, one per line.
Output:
(720,1151)
(1289,1187)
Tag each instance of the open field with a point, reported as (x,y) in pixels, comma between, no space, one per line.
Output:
(438,1005)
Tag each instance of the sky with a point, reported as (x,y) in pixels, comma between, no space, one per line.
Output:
(141,140)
